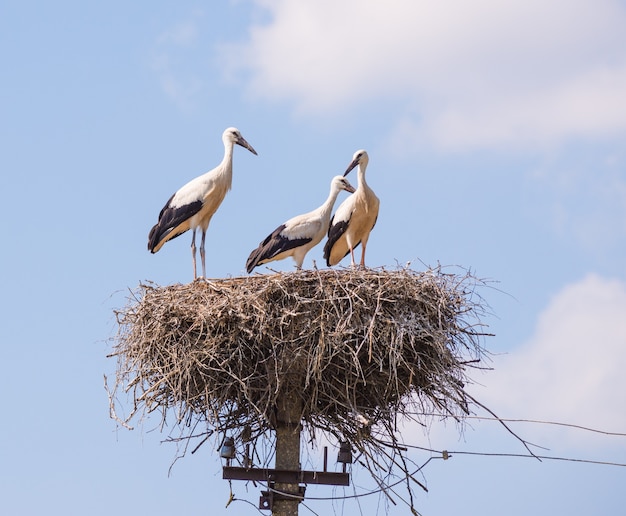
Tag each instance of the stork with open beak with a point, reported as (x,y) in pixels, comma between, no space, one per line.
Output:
(300,234)
(193,205)
(354,219)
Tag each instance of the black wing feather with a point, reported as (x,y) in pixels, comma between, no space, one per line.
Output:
(335,232)
(169,218)
(274,244)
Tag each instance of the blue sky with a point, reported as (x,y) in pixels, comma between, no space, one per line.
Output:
(496,140)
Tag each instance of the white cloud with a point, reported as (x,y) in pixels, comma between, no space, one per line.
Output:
(470,74)
(592,105)
(572,369)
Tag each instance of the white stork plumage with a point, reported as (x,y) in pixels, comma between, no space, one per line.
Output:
(300,234)
(354,219)
(193,205)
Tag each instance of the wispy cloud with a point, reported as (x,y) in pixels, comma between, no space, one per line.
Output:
(583,200)
(182,34)
(182,86)
(468,75)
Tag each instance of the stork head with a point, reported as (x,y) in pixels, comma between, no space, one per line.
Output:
(233,136)
(341,183)
(360,158)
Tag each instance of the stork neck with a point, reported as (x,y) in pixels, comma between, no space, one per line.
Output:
(327,207)
(361,175)
(228,153)
(226,166)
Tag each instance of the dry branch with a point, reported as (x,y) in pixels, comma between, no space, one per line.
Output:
(361,348)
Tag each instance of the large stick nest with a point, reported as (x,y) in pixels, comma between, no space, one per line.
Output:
(355,348)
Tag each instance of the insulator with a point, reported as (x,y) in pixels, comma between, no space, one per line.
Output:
(228,448)
(345,453)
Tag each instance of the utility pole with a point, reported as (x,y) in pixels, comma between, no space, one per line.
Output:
(288,413)
(285,491)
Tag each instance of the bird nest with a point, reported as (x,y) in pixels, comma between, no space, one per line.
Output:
(355,349)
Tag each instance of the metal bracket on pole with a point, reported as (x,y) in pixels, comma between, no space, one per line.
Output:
(266,501)
(267,498)
(286,476)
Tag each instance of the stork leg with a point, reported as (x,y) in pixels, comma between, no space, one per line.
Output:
(362,264)
(363,246)
(193,252)
(352,256)
(202,253)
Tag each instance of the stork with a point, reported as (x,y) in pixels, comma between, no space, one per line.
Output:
(354,219)
(300,234)
(193,205)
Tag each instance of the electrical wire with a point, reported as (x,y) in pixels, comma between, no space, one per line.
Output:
(538,421)
(446,454)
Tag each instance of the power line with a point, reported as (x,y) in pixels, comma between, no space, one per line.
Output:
(517,455)
(445,455)
(538,421)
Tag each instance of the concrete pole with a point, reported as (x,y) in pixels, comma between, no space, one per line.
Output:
(288,430)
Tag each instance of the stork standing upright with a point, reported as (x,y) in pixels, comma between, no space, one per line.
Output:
(193,205)
(354,219)
(300,234)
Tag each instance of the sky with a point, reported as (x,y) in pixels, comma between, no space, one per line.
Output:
(496,135)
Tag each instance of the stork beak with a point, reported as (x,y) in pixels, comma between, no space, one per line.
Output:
(354,163)
(242,141)
(350,188)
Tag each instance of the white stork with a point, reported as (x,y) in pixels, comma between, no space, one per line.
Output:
(354,219)
(300,234)
(193,205)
